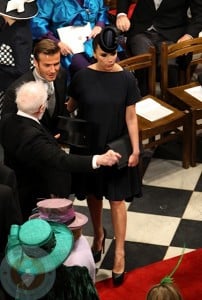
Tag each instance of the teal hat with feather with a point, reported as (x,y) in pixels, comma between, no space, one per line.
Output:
(38,246)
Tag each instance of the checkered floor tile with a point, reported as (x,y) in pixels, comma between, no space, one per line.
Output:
(166,219)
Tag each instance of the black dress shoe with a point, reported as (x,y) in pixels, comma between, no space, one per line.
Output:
(97,255)
(117,278)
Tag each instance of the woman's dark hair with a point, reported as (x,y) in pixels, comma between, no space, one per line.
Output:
(107,39)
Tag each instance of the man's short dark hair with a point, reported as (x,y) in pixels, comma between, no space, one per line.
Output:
(45,46)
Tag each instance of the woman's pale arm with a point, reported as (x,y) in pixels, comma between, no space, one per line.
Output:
(132,125)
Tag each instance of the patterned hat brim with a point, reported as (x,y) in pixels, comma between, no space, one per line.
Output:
(79,221)
(30,11)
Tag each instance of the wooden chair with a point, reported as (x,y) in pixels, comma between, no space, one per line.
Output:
(162,130)
(177,96)
(173,51)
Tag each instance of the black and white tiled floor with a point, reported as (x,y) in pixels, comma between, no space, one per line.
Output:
(163,221)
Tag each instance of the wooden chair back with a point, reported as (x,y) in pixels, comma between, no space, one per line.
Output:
(192,46)
(142,61)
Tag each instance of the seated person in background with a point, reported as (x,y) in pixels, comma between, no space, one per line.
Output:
(166,291)
(42,168)
(10,211)
(61,210)
(15,41)
(46,69)
(156,21)
(34,260)
(61,13)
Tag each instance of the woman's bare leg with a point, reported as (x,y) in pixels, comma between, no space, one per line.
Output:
(119,219)
(119,216)
(95,209)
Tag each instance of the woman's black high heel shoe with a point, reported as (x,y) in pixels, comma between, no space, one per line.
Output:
(97,254)
(118,278)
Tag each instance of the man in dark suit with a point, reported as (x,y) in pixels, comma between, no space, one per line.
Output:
(42,168)
(47,69)
(154,21)
(10,212)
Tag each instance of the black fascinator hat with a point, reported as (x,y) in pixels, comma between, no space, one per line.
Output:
(108,39)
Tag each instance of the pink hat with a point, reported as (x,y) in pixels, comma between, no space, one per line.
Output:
(60,210)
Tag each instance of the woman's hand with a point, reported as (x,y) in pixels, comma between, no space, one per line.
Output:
(95,31)
(64,49)
(133,159)
(71,104)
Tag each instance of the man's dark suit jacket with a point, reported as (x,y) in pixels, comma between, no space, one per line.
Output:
(60,85)
(42,168)
(10,211)
(170,19)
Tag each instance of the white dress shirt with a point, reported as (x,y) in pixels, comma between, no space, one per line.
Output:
(157,3)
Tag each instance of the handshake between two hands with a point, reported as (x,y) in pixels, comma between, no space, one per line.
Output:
(109,158)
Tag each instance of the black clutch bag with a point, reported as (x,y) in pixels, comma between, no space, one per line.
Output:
(123,146)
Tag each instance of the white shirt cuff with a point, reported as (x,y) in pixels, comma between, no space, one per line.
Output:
(121,14)
(94,163)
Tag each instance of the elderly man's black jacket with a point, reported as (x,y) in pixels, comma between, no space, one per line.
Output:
(42,168)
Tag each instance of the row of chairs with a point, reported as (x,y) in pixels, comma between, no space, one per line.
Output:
(177,96)
(186,110)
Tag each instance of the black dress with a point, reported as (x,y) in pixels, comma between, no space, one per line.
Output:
(103,98)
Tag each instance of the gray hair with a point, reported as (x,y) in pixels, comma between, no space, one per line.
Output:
(30,96)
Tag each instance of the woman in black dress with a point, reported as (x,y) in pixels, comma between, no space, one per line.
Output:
(105,95)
